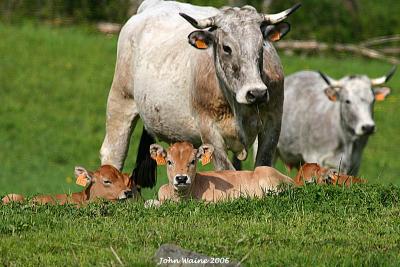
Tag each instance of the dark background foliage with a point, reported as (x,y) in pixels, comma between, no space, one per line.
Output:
(324,20)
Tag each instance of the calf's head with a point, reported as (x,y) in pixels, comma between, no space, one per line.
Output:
(181,160)
(356,95)
(237,36)
(107,183)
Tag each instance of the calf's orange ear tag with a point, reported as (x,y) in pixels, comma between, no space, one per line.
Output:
(206,158)
(160,160)
(81,180)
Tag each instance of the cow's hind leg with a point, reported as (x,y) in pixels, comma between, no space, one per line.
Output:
(122,115)
(122,111)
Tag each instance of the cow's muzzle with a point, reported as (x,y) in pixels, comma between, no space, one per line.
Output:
(257,96)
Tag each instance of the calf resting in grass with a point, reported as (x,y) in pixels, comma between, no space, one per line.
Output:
(106,183)
(314,173)
(184,182)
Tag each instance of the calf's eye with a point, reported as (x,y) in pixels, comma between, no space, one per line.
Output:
(348,101)
(107,182)
(169,162)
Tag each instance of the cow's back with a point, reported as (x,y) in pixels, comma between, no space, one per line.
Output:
(163,64)
(310,120)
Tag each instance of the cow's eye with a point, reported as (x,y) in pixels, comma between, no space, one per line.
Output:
(348,101)
(107,182)
(169,162)
(227,49)
(193,162)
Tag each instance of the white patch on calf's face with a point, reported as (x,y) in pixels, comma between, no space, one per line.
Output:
(181,186)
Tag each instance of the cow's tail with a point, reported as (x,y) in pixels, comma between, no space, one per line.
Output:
(145,172)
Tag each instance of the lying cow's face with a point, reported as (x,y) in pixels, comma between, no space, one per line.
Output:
(181,160)
(107,183)
(356,98)
(238,36)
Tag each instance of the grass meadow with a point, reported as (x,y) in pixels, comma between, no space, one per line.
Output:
(54,84)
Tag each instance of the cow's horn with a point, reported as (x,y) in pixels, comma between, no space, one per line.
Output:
(328,80)
(384,79)
(275,18)
(199,24)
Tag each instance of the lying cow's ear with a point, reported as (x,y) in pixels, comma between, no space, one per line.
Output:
(381,93)
(158,153)
(201,39)
(83,177)
(204,153)
(274,33)
(332,93)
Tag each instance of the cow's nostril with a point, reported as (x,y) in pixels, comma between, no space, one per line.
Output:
(257,95)
(368,129)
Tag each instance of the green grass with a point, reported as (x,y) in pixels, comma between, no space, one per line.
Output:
(54,84)
(311,226)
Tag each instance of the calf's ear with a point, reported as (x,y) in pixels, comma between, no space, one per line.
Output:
(201,39)
(274,33)
(204,153)
(381,93)
(83,177)
(158,153)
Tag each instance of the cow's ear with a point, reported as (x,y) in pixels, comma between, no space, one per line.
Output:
(201,39)
(204,153)
(158,153)
(274,33)
(332,93)
(83,177)
(381,93)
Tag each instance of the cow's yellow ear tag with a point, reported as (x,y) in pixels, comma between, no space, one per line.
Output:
(201,44)
(274,36)
(206,158)
(160,160)
(81,180)
(380,97)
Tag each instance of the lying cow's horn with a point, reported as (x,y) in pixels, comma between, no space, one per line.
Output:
(275,18)
(199,24)
(384,79)
(328,80)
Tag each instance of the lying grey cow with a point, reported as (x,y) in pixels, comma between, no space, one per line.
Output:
(226,95)
(326,121)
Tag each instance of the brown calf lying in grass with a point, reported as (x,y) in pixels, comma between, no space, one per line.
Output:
(106,183)
(184,182)
(314,173)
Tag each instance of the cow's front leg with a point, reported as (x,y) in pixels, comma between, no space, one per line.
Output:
(122,115)
(268,140)
(339,161)
(210,135)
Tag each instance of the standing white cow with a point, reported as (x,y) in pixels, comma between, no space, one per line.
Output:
(326,121)
(226,96)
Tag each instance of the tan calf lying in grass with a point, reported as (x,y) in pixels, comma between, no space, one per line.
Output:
(314,173)
(184,182)
(106,183)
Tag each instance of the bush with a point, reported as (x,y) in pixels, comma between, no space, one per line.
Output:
(324,20)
